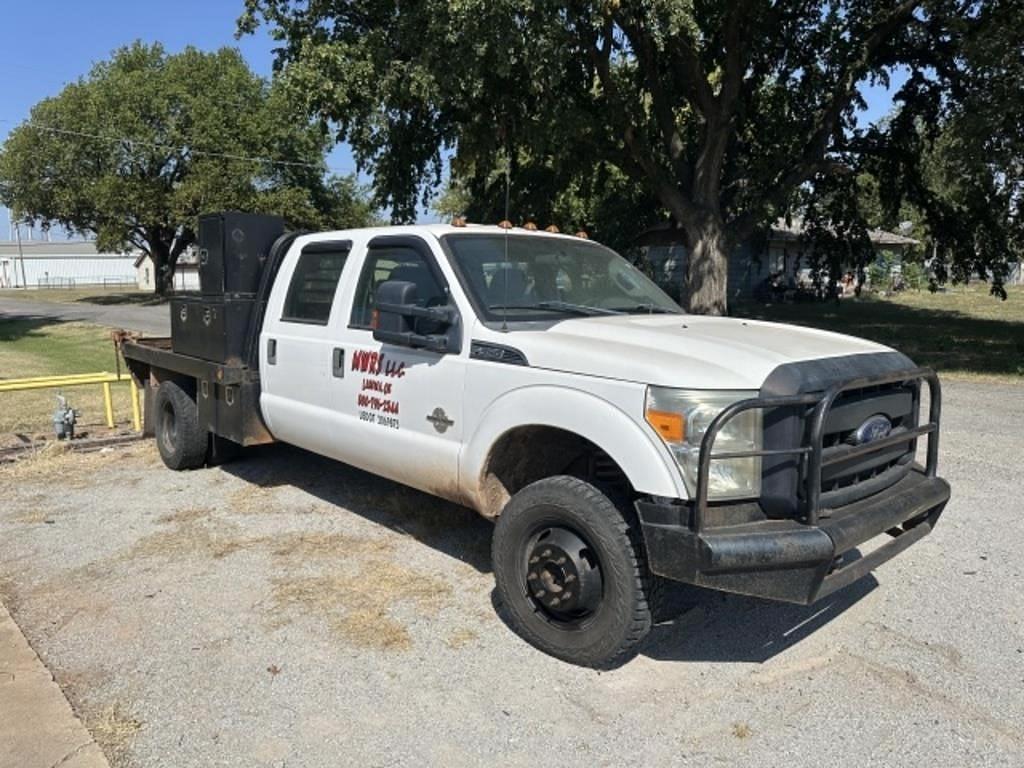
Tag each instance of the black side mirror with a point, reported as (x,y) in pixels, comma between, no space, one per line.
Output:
(400,321)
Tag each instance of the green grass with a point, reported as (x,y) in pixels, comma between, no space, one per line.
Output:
(86,295)
(38,347)
(962,331)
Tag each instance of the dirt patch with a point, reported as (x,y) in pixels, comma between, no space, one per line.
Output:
(190,531)
(114,729)
(254,500)
(359,604)
(460,638)
(742,731)
(185,516)
(57,462)
(306,546)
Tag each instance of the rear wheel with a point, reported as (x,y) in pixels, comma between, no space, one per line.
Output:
(181,442)
(570,572)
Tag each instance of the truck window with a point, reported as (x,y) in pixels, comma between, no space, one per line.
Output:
(314,282)
(394,263)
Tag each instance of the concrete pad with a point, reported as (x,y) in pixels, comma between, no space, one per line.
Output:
(38,729)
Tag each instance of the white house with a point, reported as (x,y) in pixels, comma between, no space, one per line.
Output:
(62,264)
(186,274)
(783,250)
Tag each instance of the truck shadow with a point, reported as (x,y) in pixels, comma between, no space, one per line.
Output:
(714,626)
(455,531)
(696,624)
(703,625)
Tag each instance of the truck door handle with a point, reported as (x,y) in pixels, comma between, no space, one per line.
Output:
(271,351)
(338,363)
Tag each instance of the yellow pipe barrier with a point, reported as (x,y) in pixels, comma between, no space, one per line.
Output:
(136,416)
(79,380)
(44,382)
(68,376)
(108,405)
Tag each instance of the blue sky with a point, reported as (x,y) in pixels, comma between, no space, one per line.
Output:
(48,43)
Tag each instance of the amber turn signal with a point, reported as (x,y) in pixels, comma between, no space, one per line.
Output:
(667,424)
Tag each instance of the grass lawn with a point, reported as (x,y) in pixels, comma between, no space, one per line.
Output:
(35,347)
(962,331)
(85,295)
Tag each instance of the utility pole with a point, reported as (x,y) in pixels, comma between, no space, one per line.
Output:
(21,255)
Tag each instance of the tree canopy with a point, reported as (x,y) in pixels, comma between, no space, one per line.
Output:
(720,113)
(134,151)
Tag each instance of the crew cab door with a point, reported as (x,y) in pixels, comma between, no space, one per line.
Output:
(399,409)
(297,343)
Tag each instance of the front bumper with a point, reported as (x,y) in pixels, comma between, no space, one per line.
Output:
(803,557)
(787,560)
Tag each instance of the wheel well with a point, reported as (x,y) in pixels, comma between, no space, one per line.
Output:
(187,383)
(526,454)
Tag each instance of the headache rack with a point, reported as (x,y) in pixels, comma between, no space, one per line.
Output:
(814,457)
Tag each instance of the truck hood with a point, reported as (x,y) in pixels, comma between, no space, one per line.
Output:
(692,351)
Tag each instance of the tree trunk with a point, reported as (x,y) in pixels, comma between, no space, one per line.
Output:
(163,267)
(707,267)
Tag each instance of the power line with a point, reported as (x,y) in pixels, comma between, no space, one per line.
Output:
(170,147)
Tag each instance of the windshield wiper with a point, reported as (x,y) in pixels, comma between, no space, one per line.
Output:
(650,309)
(561,306)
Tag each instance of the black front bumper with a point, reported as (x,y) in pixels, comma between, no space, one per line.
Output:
(802,558)
(788,560)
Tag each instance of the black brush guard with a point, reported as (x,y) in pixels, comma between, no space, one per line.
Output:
(805,558)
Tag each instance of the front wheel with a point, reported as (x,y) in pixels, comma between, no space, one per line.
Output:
(570,572)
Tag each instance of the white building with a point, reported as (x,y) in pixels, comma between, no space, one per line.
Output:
(186,274)
(77,263)
(63,264)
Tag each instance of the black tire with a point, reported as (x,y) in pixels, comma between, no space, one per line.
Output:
(534,562)
(181,442)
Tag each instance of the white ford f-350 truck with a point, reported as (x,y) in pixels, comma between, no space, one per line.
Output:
(547,383)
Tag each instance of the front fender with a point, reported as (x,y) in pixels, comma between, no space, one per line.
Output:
(641,455)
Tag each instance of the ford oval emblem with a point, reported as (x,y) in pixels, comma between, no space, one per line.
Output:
(874,428)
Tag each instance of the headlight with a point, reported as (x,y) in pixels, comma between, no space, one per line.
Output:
(682,416)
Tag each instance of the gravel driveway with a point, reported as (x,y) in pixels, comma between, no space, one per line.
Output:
(150,320)
(288,611)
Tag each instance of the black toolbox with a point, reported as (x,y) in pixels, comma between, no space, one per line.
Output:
(213,328)
(233,248)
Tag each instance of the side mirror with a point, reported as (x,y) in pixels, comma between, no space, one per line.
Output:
(402,322)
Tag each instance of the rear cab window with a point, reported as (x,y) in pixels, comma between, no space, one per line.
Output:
(315,282)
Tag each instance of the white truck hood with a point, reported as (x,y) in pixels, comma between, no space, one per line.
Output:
(691,351)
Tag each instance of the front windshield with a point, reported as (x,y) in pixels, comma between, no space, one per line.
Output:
(541,277)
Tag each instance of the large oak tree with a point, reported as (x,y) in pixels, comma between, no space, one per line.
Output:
(720,110)
(134,151)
